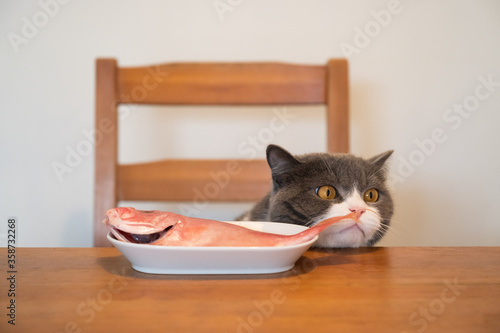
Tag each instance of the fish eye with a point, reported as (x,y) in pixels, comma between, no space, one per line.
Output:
(371,195)
(326,192)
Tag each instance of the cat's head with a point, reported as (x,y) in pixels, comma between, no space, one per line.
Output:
(310,188)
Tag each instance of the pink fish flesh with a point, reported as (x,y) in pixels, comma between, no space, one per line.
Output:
(170,229)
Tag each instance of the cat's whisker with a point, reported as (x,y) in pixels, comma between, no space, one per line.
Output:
(328,167)
(395,234)
(310,223)
(390,230)
(399,223)
(372,223)
(382,229)
(409,231)
(382,171)
(402,224)
(374,212)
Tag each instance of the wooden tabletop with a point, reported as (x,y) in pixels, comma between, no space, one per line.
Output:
(414,289)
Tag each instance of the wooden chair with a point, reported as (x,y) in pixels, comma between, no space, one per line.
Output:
(204,84)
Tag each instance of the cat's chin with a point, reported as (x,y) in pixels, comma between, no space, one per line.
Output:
(348,237)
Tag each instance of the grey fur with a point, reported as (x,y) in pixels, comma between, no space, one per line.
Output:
(293,197)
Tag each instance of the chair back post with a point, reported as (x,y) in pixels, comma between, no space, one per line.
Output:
(337,100)
(106,145)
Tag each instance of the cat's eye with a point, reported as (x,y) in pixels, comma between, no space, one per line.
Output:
(371,195)
(326,192)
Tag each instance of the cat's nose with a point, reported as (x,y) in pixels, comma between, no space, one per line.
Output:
(358,211)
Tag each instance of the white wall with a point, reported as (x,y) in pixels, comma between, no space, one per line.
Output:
(429,56)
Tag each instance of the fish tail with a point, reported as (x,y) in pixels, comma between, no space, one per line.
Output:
(312,232)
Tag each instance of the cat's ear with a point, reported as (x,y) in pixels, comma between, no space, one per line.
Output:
(378,161)
(280,161)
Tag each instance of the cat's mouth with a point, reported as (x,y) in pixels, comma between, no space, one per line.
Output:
(351,228)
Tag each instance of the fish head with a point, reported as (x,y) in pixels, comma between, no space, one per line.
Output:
(139,226)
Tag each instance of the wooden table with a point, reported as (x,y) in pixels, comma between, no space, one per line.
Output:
(414,289)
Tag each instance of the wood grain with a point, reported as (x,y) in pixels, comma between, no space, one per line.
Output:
(106,149)
(338,106)
(415,289)
(222,84)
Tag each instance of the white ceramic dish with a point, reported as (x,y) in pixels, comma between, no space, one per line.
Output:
(157,259)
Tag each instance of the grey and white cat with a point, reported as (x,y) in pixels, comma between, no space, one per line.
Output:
(309,188)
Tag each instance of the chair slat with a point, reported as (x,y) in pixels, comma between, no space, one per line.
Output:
(194,180)
(223,84)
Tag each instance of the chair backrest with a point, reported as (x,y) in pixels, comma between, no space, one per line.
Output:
(204,84)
